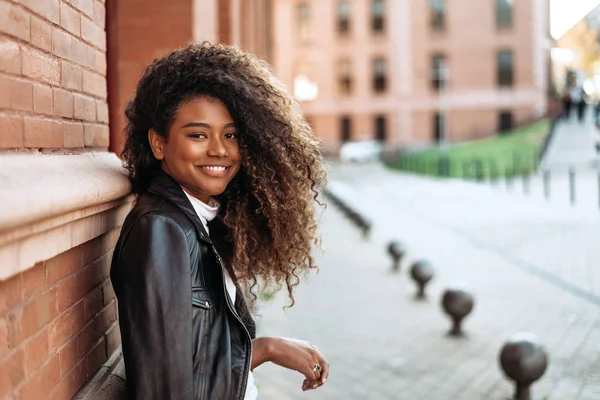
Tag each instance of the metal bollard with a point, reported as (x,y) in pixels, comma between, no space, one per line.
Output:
(572,185)
(421,272)
(547,184)
(457,302)
(524,360)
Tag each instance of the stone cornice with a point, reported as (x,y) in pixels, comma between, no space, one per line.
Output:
(51,203)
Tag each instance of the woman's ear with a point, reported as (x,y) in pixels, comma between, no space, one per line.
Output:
(157,142)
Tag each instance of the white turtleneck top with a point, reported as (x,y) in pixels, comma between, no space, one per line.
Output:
(206,213)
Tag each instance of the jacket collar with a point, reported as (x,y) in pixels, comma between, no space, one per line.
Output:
(165,186)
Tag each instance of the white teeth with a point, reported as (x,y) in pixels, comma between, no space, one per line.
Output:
(211,168)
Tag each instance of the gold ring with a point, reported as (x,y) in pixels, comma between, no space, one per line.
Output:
(316,368)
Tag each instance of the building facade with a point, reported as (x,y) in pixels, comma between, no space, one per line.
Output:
(413,73)
(67,69)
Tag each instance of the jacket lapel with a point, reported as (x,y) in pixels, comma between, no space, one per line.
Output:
(166,187)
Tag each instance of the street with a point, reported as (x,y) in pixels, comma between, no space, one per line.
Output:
(529,266)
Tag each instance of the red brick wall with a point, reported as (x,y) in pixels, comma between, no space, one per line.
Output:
(58,323)
(52,74)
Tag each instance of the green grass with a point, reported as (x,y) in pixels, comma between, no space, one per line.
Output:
(511,153)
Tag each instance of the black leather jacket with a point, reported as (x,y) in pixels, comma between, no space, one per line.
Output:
(182,338)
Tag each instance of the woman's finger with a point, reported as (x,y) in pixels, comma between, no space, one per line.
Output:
(324,365)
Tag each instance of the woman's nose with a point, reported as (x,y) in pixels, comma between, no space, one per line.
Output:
(217,148)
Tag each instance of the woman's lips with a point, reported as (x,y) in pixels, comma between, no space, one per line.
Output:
(215,171)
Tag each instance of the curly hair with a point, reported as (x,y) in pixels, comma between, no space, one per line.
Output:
(267,221)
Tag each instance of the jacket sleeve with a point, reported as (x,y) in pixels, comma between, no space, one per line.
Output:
(151,277)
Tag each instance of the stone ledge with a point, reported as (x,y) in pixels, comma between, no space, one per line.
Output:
(108,383)
(51,203)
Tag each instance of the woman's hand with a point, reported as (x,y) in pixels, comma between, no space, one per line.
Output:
(294,354)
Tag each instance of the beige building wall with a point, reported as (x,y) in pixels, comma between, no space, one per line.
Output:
(470,42)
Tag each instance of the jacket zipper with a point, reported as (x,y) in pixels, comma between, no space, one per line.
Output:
(232,309)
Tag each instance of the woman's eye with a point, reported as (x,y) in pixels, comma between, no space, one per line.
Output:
(197,135)
(232,135)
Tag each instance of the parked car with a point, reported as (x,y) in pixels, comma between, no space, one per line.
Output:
(361,151)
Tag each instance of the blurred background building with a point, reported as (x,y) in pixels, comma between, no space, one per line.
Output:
(413,72)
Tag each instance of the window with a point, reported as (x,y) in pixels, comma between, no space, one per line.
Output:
(437,14)
(379,75)
(303,21)
(439,127)
(380,128)
(343,17)
(345,77)
(345,128)
(505,121)
(504,13)
(439,72)
(505,70)
(377,23)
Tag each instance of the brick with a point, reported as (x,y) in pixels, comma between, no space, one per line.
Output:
(69,356)
(21,95)
(113,339)
(102,111)
(10,291)
(42,133)
(41,34)
(5,91)
(97,327)
(85,107)
(100,62)
(63,103)
(70,19)
(99,14)
(14,21)
(79,52)
(93,303)
(70,384)
(36,352)
(96,135)
(94,84)
(40,66)
(66,295)
(34,280)
(11,138)
(109,293)
(98,247)
(64,264)
(96,357)
(10,56)
(67,325)
(93,34)
(29,319)
(12,372)
(5,344)
(62,44)
(85,6)
(89,53)
(71,76)
(34,387)
(42,99)
(47,9)
(73,134)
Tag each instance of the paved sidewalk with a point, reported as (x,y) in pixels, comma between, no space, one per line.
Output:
(573,144)
(383,344)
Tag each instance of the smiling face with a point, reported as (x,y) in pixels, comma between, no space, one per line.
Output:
(201,151)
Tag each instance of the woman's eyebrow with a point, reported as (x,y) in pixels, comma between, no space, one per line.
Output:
(205,125)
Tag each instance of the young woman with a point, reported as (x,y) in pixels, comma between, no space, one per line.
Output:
(227,173)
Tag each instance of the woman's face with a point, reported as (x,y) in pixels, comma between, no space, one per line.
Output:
(202,152)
